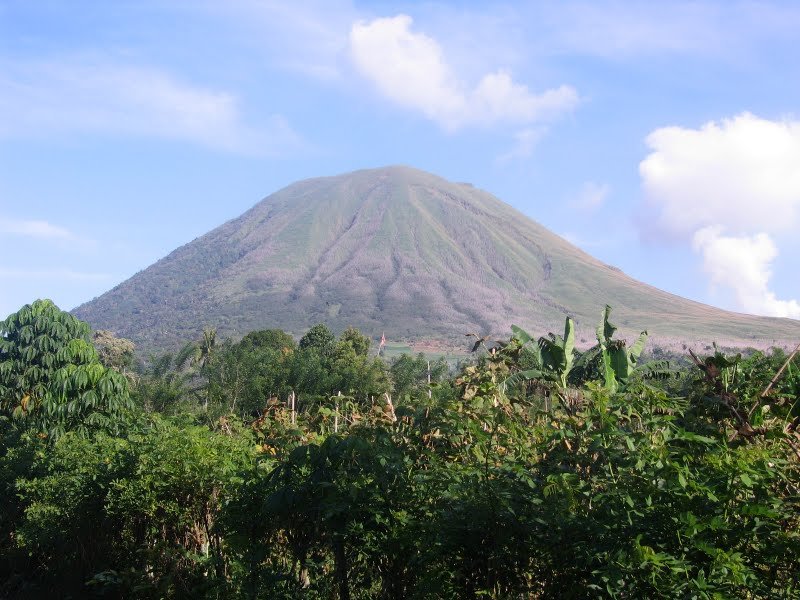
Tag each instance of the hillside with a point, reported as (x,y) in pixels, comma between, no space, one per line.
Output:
(402,251)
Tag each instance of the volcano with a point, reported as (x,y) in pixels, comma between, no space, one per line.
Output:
(403,251)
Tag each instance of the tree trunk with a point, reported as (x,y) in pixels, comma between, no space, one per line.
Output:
(340,569)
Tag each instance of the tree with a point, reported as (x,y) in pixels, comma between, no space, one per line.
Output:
(204,352)
(410,374)
(356,340)
(51,378)
(271,339)
(244,376)
(113,351)
(164,383)
(318,337)
(133,517)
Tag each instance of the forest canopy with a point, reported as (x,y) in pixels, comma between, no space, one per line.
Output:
(273,468)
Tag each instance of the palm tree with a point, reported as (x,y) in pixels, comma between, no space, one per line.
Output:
(204,352)
(204,355)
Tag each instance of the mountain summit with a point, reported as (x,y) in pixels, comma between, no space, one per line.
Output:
(399,250)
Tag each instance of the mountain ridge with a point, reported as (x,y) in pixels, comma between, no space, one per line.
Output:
(399,250)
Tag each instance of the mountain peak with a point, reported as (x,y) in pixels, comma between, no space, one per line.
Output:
(399,250)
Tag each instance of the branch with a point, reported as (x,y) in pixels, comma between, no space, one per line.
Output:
(774,380)
(793,446)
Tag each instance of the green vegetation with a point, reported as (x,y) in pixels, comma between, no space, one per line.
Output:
(51,378)
(267,468)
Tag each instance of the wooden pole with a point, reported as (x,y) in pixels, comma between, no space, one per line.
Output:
(336,415)
(429,379)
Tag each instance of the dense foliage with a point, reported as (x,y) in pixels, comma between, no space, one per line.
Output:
(266,468)
(51,377)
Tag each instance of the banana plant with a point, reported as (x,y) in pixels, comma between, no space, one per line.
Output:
(554,354)
(557,358)
(618,361)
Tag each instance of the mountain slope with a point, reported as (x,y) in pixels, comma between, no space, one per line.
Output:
(399,250)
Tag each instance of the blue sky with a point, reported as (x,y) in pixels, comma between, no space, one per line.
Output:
(663,138)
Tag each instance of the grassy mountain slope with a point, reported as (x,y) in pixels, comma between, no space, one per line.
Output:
(402,251)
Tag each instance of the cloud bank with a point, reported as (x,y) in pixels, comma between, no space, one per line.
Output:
(79,96)
(728,187)
(410,69)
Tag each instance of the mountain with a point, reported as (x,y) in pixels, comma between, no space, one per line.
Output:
(398,250)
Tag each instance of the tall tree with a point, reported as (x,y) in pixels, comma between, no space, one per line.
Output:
(318,337)
(272,339)
(51,378)
(356,340)
(113,351)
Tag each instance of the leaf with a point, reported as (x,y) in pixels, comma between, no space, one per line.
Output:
(520,334)
(690,436)
(637,348)
(609,379)
(656,369)
(569,346)
(605,331)
(618,359)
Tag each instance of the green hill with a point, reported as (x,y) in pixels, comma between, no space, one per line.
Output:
(402,251)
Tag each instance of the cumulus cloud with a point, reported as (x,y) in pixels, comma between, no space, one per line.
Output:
(410,69)
(743,265)
(728,187)
(742,173)
(45,98)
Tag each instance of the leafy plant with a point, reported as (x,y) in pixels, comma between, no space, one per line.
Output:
(51,378)
(618,360)
(470,491)
(553,356)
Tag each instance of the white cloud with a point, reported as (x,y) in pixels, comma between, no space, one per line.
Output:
(742,173)
(312,36)
(743,264)
(35,229)
(728,187)
(410,69)
(97,97)
(591,196)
